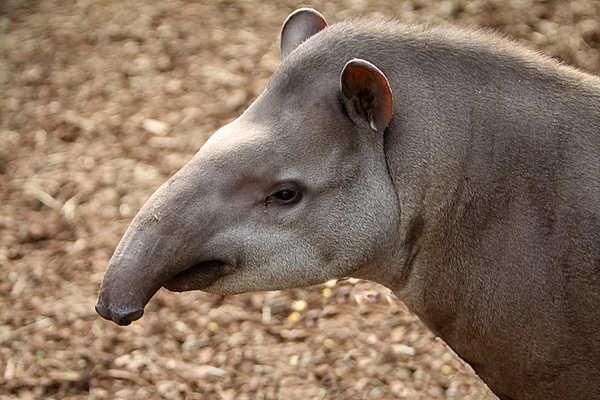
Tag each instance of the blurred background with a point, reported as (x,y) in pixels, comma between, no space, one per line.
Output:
(100,102)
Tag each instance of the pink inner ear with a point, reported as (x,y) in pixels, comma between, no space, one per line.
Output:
(365,86)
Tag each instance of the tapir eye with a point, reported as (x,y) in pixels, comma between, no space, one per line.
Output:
(288,195)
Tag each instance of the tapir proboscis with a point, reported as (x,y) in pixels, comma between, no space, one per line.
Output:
(457,168)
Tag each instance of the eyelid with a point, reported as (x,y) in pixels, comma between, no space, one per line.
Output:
(291,186)
(284,186)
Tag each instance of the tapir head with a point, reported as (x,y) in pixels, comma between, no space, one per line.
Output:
(293,193)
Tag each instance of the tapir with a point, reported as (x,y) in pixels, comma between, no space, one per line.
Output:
(454,166)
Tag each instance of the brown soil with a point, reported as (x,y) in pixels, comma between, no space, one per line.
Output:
(100,102)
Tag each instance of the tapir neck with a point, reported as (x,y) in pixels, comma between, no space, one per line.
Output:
(485,186)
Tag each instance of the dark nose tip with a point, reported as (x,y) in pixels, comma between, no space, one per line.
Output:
(120,317)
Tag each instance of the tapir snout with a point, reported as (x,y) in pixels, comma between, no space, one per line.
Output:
(457,168)
(156,250)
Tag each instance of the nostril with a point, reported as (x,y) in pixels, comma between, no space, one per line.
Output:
(130,316)
(127,317)
(121,317)
(122,321)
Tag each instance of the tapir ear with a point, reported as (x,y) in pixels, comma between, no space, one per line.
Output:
(299,26)
(366,94)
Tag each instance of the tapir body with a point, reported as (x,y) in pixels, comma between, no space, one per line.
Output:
(455,167)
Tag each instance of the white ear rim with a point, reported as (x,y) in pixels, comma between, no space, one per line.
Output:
(383,86)
(299,26)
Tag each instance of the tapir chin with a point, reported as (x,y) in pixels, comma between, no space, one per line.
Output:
(457,168)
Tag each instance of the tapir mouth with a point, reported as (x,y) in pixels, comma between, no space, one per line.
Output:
(128,307)
(199,276)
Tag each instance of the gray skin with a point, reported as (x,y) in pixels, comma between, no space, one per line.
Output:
(473,193)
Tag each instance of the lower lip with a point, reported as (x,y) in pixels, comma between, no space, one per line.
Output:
(198,276)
